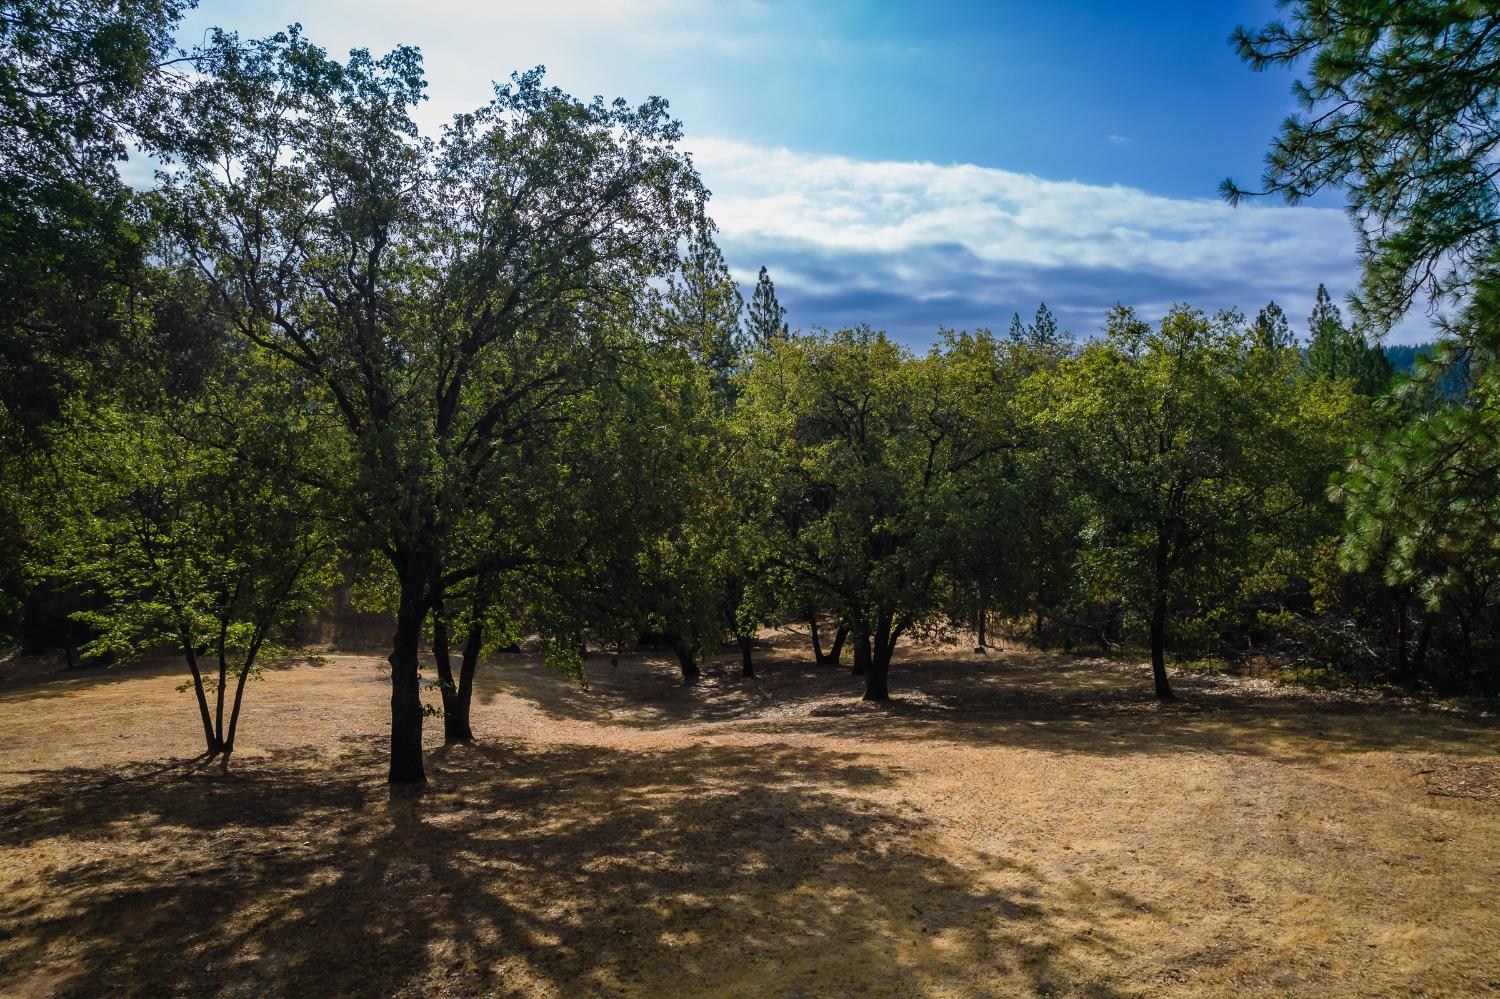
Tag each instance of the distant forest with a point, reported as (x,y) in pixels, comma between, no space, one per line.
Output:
(1452,382)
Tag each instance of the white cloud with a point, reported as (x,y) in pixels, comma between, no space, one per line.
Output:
(970,238)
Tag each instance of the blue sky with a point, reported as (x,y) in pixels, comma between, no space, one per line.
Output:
(919,164)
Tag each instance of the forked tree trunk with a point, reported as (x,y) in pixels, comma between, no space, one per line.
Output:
(442,657)
(456,722)
(836,651)
(406,694)
(211,741)
(878,672)
(223,682)
(239,697)
(747,665)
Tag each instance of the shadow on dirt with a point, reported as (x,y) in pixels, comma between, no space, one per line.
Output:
(703,870)
(1028,700)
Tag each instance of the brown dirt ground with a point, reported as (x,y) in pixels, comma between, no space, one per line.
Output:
(1013,824)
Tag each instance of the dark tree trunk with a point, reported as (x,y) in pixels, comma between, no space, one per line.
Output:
(211,741)
(70,653)
(239,697)
(878,669)
(406,694)
(223,682)
(980,644)
(819,657)
(861,654)
(1159,647)
(685,661)
(456,721)
(747,665)
(837,649)
(442,657)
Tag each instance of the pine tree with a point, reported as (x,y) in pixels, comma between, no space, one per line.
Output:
(1334,351)
(1042,333)
(1272,330)
(1400,107)
(703,307)
(1043,330)
(765,321)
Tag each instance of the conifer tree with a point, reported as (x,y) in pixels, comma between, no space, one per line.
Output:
(1272,330)
(766,320)
(1334,351)
(704,306)
(1400,108)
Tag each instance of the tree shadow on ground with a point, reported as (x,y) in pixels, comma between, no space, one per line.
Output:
(1028,700)
(568,870)
(37,678)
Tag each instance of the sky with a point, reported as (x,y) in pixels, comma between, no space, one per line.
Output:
(918,165)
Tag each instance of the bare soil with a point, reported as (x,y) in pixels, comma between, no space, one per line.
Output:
(1011,824)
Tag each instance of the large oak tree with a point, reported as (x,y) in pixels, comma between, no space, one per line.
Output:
(449,296)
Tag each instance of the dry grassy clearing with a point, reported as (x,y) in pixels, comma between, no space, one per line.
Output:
(1011,825)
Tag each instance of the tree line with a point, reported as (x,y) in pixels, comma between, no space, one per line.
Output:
(502,381)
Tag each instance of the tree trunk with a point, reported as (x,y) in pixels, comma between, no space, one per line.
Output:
(817,642)
(239,697)
(861,654)
(442,656)
(980,645)
(456,721)
(878,670)
(209,738)
(223,682)
(406,694)
(837,649)
(685,661)
(1159,647)
(747,665)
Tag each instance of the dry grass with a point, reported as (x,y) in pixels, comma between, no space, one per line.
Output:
(1011,825)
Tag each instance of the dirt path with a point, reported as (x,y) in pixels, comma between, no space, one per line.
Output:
(1012,825)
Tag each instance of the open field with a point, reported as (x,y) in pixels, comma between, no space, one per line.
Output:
(1015,824)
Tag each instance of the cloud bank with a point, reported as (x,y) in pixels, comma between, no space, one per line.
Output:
(911,246)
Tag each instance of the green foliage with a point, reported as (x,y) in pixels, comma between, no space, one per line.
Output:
(1400,104)
(1195,453)
(81,81)
(1272,331)
(197,523)
(766,319)
(1423,501)
(702,308)
(1398,109)
(1446,370)
(452,299)
(1336,352)
(870,455)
